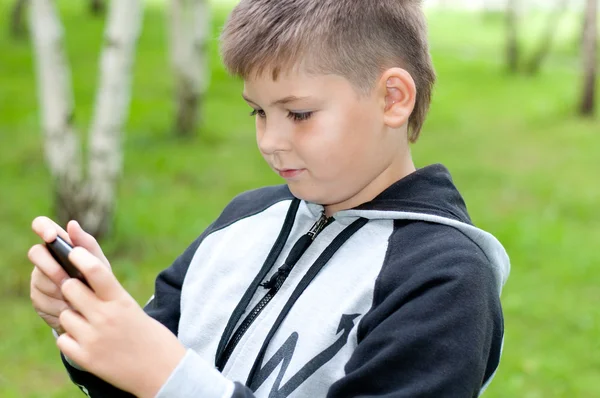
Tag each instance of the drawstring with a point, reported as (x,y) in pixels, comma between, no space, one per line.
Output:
(311,274)
(282,273)
(297,251)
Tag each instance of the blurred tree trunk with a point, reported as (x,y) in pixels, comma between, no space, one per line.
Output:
(17,18)
(89,200)
(590,59)
(545,45)
(112,108)
(512,41)
(189,32)
(97,7)
(61,142)
(17,15)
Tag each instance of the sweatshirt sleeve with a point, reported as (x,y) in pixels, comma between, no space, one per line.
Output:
(164,306)
(194,377)
(435,328)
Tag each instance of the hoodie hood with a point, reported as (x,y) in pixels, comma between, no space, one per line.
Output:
(429,195)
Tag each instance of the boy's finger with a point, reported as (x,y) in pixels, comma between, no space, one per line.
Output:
(47,304)
(101,279)
(74,323)
(47,229)
(41,282)
(69,347)
(79,297)
(81,238)
(43,260)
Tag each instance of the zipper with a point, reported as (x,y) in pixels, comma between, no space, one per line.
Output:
(256,377)
(273,285)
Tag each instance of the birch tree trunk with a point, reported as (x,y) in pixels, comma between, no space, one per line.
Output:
(112,108)
(512,41)
(547,39)
(61,142)
(189,32)
(590,59)
(89,200)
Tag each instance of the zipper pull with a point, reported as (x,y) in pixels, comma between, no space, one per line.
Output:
(319,225)
(282,272)
(275,282)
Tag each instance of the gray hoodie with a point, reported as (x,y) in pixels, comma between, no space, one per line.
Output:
(398,297)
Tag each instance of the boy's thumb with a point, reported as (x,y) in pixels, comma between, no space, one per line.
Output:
(81,238)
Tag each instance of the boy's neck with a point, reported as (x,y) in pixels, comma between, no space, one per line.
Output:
(395,172)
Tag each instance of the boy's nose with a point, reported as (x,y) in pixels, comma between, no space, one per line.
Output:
(273,139)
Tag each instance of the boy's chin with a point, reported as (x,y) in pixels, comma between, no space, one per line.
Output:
(308,194)
(302,193)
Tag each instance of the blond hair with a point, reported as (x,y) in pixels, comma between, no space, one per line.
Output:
(356,39)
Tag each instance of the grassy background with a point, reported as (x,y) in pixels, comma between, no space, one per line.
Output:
(527,166)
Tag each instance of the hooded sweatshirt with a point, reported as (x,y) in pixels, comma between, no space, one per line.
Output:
(398,297)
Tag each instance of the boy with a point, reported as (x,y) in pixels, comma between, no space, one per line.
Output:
(361,276)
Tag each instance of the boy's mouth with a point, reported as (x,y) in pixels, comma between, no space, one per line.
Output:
(289,173)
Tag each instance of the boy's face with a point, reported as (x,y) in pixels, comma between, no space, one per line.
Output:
(330,144)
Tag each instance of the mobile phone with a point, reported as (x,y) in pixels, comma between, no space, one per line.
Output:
(60,249)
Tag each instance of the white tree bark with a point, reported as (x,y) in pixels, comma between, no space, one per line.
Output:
(112,107)
(61,143)
(89,200)
(189,32)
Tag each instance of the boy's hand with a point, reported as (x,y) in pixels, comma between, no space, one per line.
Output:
(48,275)
(109,334)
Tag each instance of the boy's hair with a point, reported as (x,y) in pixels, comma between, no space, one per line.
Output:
(357,39)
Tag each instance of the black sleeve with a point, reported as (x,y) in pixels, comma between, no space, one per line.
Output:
(164,307)
(436,326)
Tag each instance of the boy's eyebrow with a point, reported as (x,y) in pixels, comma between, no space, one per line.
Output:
(282,101)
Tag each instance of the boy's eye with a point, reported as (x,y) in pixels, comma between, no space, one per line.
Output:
(300,116)
(258,112)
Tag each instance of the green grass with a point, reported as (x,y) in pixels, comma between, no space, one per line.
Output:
(525,163)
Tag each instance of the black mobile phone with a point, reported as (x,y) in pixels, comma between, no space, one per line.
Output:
(60,249)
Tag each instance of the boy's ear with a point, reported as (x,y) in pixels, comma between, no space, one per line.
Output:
(400,92)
